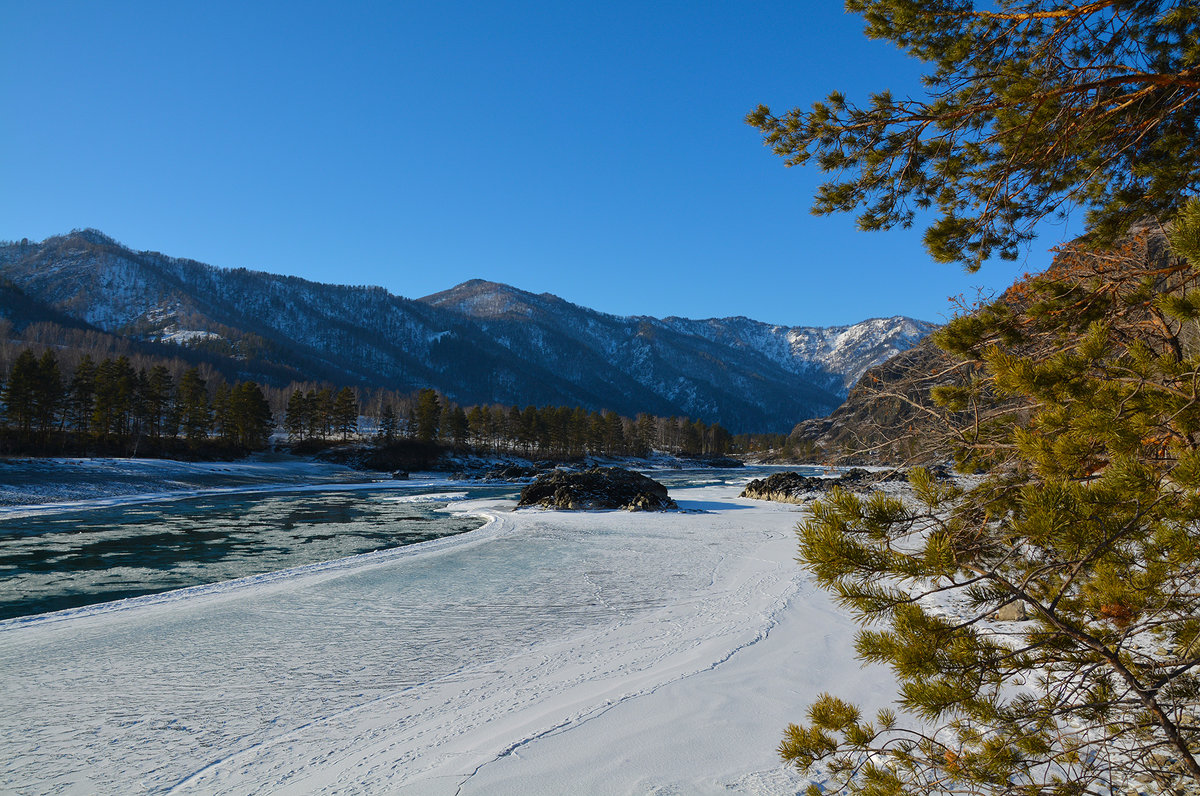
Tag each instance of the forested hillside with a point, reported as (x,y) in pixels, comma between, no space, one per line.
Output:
(479,343)
(112,407)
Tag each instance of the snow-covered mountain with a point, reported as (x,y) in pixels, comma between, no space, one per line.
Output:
(479,342)
(839,354)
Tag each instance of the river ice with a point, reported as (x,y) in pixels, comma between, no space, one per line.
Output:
(546,652)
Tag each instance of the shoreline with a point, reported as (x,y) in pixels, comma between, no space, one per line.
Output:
(29,482)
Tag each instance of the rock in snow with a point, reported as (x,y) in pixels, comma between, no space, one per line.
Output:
(791,487)
(597,488)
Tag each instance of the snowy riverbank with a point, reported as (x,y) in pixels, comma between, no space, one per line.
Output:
(29,482)
(543,653)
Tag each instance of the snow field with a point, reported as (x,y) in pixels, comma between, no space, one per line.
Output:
(591,652)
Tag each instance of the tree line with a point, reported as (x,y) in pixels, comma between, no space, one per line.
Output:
(549,431)
(110,406)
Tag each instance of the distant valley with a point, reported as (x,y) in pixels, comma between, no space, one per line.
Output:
(477,343)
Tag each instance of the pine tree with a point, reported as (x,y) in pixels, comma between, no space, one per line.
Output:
(158,395)
(320,413)
(193,407)
(140,409)
(81,395)
(20,393)
(49,395)
(113,407)
(345,413)
(614,434)
(250,416)
(477,425)
(644,434)
(1084,408)
(296,419)
(427,415)
(389,426)
(223,419)
(1034,107)
(458,427)
(1078,405)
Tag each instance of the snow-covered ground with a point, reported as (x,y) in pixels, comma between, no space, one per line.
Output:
(29,484)
(591,652)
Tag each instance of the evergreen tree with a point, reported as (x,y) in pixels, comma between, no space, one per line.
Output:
(1034,107)
(158,394)
(113,408)
(427,415)
(222,414)
(457,426)
(1084,411)
(477,425)
(20,393)
(49,395)
(644,434)
(389,426)
(345,413)
(528,429)
(296,420)
(410,422)
(140,408)
(614,434)
(81,395)
(597,429)
(194,410)
(1080,408)
(320,413)
(580,428)
(250,416)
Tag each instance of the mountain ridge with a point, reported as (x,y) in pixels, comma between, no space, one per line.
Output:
(477,342)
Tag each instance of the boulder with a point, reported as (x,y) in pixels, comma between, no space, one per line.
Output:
(791,487)
(597,488)
(1011,612)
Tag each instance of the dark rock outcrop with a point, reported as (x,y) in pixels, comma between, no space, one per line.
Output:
(597,488)
(791,487)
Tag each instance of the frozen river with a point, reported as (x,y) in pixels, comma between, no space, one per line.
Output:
(624,653)
(77,555)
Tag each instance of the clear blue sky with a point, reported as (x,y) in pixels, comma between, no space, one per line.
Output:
(594,151)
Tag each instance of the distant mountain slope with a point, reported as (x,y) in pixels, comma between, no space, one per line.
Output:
(697,376)
(842,354)
(480,342)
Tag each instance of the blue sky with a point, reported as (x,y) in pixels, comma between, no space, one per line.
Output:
(597,152)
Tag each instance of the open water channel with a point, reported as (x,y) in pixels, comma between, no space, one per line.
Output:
(67,559)
(71,556)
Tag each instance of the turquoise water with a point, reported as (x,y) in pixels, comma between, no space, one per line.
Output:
(69,559)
